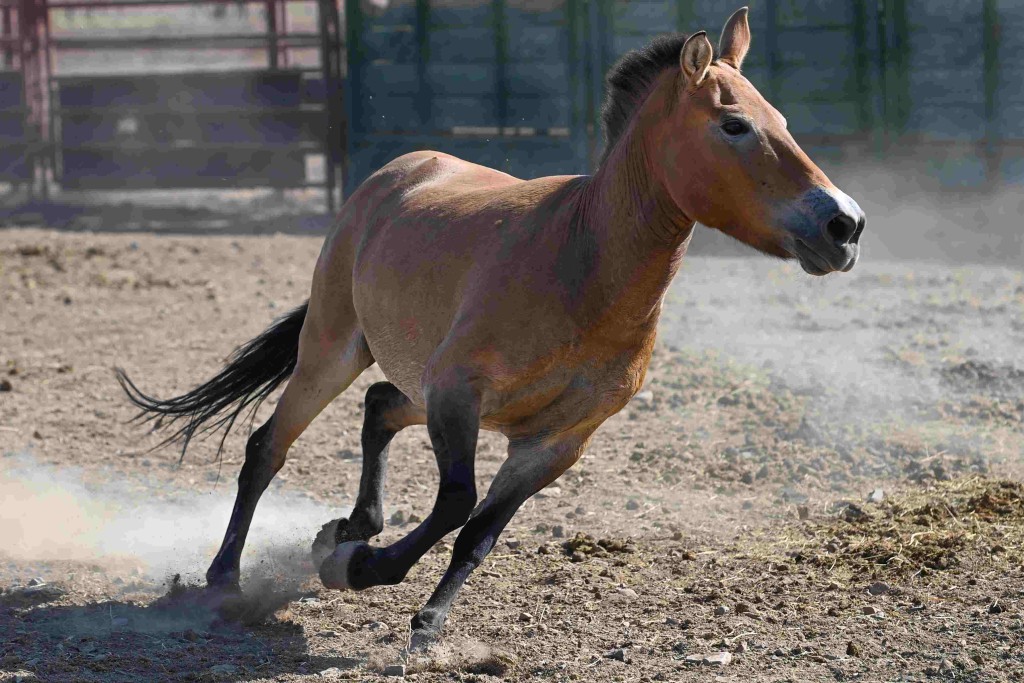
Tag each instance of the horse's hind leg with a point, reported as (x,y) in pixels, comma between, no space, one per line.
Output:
(530,467)
(327,365)
(387,412)
(453,422)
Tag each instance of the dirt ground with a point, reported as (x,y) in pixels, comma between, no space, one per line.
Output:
(820,482)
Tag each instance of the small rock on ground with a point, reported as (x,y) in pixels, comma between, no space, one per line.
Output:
(395,670)
(711,659)
(618,654)
(878,588)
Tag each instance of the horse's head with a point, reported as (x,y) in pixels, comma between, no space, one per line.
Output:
(731,164)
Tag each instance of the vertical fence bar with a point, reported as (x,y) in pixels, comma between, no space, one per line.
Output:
(501,39)
(993,134)
(771,41)
(330,70)
(424,94)
(8,33)
(353,89)
(272,45)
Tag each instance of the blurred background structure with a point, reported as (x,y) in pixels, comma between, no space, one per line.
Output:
(169,94)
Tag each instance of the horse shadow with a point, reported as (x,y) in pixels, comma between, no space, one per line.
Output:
(184,635)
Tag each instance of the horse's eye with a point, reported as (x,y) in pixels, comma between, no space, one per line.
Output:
(735,127)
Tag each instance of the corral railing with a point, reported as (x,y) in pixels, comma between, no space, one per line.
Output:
(930,85)
(118,117)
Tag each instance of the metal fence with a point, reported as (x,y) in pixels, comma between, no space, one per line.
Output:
(514,84)
(180,125)
(517,84)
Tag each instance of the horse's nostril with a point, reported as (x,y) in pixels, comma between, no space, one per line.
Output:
(841,229)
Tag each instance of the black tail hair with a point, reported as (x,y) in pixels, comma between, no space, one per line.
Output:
(252,373)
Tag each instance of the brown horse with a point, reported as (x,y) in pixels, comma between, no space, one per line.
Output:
(524,307)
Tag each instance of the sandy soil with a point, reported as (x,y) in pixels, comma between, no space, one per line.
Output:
(819,483)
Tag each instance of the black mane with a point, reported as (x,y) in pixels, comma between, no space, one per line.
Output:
(630,80)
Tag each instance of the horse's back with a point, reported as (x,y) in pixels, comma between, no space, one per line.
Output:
(419,242)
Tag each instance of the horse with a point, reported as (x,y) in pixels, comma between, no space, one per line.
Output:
(524,307)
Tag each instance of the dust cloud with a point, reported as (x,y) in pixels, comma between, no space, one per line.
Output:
(52,513)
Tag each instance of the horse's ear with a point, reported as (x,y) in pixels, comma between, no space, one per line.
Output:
(695,57)
(735,41)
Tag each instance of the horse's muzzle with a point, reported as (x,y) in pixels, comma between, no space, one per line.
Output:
(824,231)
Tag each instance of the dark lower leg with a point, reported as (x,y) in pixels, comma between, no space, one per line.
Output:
(383,403)
(453,427)
(387,411)
(530,467)
(475,541)
(257,472)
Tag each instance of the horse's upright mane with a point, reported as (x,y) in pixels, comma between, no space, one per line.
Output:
(630,80)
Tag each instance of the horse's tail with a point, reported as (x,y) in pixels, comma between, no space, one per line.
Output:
(252,373)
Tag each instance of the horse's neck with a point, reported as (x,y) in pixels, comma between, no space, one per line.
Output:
(637,234)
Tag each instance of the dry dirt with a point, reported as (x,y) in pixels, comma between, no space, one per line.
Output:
(821,479)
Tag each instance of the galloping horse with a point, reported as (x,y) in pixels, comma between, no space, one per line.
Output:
(523,307)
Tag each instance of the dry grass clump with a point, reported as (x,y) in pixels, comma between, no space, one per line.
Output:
(921,531)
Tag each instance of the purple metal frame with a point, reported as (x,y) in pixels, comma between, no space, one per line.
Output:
(25,39)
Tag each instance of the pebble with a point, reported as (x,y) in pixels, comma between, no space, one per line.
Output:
(513,543)
(627,593)
(36,582)
(223,669)
(618,654)
(878,588)
(558,531)
(712,659)
(719,658)
(333,672)
(525,616)
(996,608)
(328,634)
(397,518)
(395,670)
(876,496)
(377,626)
(852,650)
(721,611)
(5,385)
(632,504)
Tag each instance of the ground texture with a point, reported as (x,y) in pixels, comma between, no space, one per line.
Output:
(819,482)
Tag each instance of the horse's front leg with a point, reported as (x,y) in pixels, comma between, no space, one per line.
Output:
(453,421)
(530,467)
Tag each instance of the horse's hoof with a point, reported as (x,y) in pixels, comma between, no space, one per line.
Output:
(422,638)
(324,543)
(334,571)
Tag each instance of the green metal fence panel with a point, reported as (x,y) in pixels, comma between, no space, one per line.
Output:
(495,81)
(938,79)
